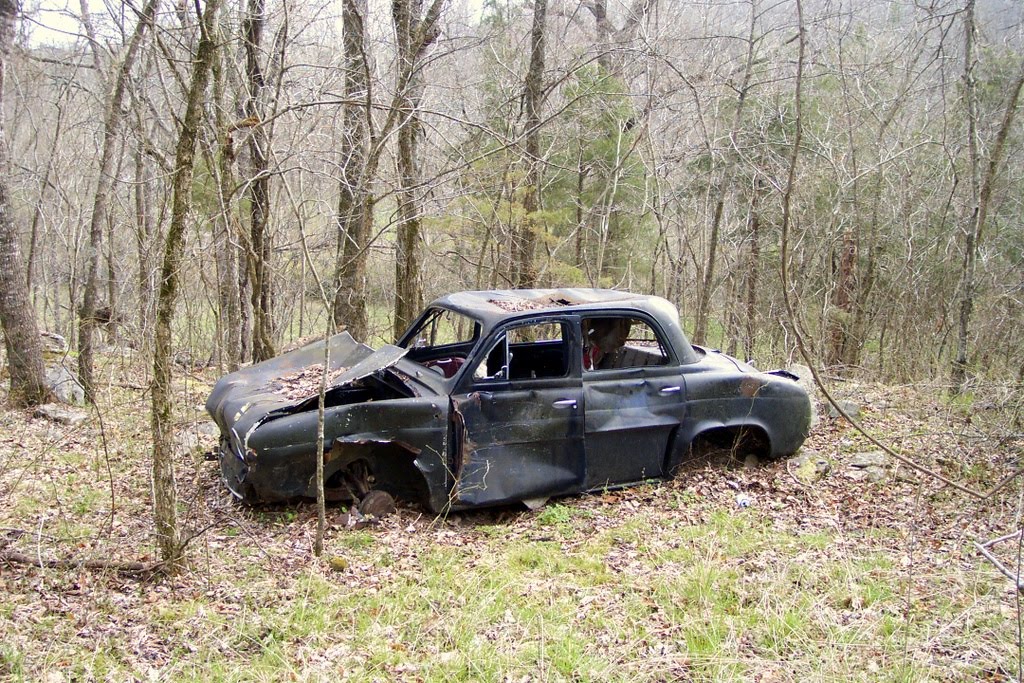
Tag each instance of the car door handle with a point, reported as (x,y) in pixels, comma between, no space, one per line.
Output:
(666,391)
(565,403)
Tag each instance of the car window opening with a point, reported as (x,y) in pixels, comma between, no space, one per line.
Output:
(621,342)
(526,352)
(442,341)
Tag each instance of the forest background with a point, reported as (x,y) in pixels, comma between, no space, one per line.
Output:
(641,146)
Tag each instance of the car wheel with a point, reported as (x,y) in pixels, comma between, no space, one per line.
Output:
(377,503)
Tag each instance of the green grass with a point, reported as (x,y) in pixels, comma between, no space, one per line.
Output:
(555,514)
(12,662)
(658,583)
(707,601)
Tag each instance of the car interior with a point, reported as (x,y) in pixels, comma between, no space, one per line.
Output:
(620,342)
(536,351)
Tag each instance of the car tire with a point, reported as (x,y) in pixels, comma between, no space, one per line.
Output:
(377,503)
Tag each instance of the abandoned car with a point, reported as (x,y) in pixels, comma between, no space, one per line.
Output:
(498,397)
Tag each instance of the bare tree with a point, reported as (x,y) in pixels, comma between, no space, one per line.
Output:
(361,150)
(258,188)
(37,213)
(725,184)
(608,37)
(524,266)
(104,182)
(24,351)
(648,138)
(164,488)
(981,183)
(354,202)
(229,230)
(411,29)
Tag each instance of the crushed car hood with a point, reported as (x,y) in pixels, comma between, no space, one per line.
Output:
(242,400)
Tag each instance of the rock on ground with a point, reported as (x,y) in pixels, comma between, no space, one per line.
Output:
(61,415)
(871,474)
(869,459)
(868,466)
(851,408)
(53,342)
(64,385)
(806,380)
(810,466)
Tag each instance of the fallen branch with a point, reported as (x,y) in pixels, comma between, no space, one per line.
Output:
(15,557)
(135,568)
(983,548)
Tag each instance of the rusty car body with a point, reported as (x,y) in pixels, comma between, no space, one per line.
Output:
(497,397)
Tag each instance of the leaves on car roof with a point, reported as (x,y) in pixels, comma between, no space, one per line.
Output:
(517,304)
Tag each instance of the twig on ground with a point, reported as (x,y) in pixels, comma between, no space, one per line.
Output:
(796,479)
(983,548)
(15,557)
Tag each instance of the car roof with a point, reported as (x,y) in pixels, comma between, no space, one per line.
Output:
(495,305)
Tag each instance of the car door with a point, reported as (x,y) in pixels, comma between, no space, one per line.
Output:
(519,417)
(633,391)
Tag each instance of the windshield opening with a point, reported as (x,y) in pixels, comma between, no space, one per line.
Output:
(442,340)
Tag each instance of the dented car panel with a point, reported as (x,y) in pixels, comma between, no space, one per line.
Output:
(497,397)
(519,443)
(634,412)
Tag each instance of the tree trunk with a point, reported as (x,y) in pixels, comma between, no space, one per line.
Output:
(24,349)
(354,201)
(753,270)
(599,8)
(867,279)
(258,188)
(101,200)
(525,268)
(842,345)
(582,170)
(111,318)
(725,185)
(408,292)
(971,235)
(361,151)
(244,307)
(164,493)
(144,232)
(840,318)
(228,227)
(981,191)
(37,214)
(408,276)
(408,279)
(608,37)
